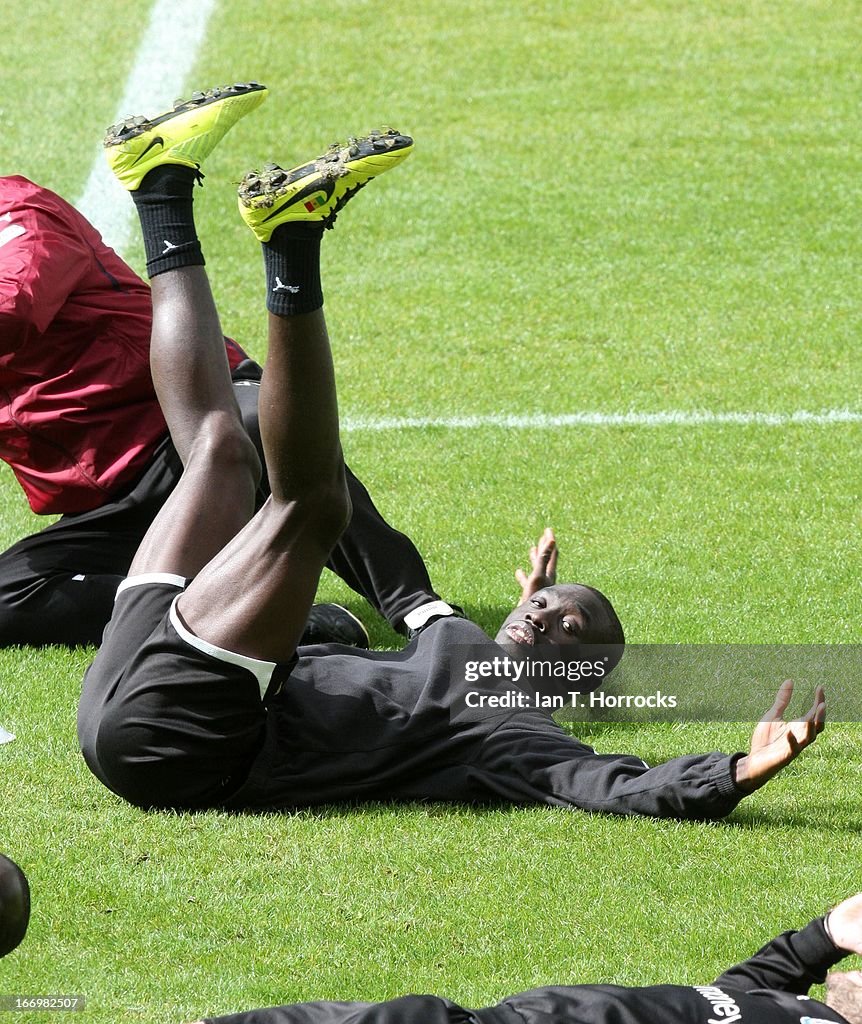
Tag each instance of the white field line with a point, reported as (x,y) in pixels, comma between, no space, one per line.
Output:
(167,52)
(539,421)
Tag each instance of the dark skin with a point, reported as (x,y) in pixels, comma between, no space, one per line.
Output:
(567,614)
(562,615)
(548,613)
(253,579)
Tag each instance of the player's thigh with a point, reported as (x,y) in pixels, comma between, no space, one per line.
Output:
(214,499)
(254,597)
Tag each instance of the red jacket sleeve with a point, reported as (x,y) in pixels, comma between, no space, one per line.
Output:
(41,263)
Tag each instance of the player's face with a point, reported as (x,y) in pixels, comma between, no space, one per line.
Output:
(562,615)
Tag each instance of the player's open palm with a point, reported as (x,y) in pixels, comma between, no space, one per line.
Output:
(775,743)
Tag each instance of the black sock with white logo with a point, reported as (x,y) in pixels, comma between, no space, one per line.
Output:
(164,204)
(292,262)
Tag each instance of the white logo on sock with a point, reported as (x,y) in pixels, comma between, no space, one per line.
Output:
(168,247)
(279,287)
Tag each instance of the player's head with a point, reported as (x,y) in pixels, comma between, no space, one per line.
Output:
(14,905)
(564,615)
(844,994)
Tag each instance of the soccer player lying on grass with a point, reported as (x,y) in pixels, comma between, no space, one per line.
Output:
(14,905)
(769,988)
(81,428)
(197,697)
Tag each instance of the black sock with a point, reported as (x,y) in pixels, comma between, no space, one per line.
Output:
(292,262)
(164,205)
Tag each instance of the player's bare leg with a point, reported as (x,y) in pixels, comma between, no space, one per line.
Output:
(158,161)
(253,598)
(215,496)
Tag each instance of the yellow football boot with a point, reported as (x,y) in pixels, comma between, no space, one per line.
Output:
(316,191)
(185,135)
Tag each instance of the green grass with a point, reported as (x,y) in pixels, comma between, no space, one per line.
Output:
(639,206)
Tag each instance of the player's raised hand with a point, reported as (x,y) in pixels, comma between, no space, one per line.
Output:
(543,560)
(775,743)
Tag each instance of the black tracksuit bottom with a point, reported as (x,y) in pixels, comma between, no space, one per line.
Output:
(58,586)
(770,988)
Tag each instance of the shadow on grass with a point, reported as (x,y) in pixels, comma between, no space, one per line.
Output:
(749,819)
(744,818)
(371,809)
(489,617)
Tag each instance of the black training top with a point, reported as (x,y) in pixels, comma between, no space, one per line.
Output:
(382,725)
(770,988)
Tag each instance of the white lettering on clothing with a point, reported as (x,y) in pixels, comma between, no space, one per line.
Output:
(723,1006)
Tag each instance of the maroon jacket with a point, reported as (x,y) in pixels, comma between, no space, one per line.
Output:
(79,419)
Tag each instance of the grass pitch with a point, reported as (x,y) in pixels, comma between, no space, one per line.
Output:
(647,207)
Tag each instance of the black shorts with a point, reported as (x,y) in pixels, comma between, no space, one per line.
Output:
(166,719)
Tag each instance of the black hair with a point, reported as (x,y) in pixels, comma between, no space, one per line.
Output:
(14,905)
(612,633)
(607,636)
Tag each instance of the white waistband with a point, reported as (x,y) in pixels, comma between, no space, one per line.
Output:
(152,577)
(261,670)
